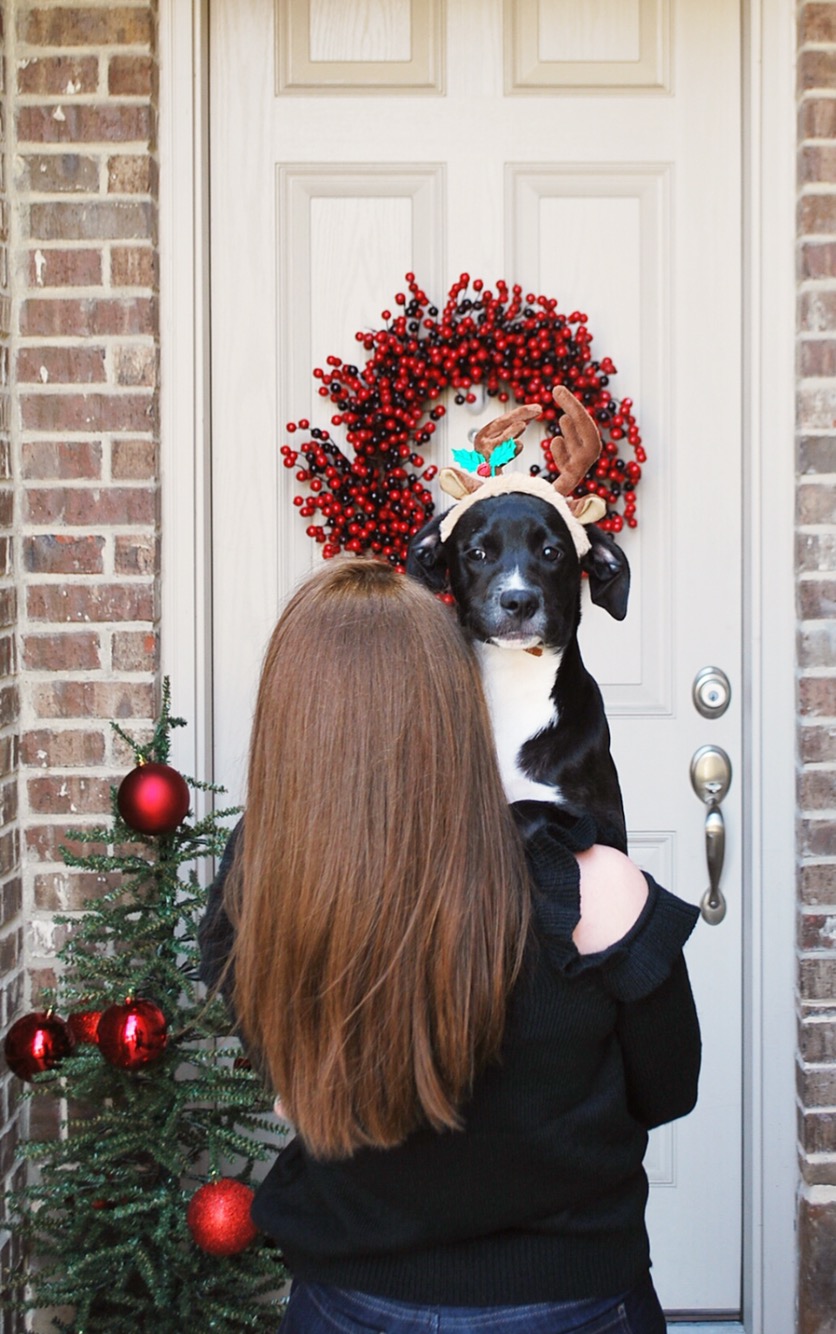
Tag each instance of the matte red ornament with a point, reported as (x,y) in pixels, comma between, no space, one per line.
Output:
(133,1034)
(84,1025)
(37,1042)
(153,799)
(219,1217)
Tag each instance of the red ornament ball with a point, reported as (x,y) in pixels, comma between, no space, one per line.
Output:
(133,1034)
(219,1217)
(36,1042)
(84,1025)
(153,799)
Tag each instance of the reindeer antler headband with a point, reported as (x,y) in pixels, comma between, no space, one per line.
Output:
(574,451)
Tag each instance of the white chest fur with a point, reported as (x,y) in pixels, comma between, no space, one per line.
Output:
(518,688)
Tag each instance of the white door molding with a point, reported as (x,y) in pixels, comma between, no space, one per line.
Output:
(769,618)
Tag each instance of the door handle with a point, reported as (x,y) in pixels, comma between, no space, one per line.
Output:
(711,778)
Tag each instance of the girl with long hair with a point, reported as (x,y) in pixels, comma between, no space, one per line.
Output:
(472,1013)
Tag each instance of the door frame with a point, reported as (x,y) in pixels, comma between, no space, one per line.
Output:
(769,1148)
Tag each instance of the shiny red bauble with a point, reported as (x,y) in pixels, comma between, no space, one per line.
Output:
(36,1042)
(153,799)
(219,1217)
(133,1034)
(84,1025)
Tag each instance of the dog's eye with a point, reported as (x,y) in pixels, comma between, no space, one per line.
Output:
(476,554)
(553,554)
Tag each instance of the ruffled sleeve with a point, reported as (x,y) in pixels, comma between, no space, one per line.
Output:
(634,966)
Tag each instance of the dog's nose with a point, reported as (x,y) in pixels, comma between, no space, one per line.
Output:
(519,602)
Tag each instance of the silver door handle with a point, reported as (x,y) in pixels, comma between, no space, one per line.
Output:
(711,779)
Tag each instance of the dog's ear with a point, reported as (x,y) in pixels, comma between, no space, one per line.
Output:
(425,559)
(609,573)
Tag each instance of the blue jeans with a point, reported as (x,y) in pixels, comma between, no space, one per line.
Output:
(316,1309)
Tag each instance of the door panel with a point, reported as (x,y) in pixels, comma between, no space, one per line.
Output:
(591,153)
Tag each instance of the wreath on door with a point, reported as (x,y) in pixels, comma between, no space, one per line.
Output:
(504,343)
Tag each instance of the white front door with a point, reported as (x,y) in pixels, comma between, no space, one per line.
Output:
(592,153)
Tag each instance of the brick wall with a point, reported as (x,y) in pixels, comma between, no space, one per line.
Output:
(11,941)
(84,373)
(816,602)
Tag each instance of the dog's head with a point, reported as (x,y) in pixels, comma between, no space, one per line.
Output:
(512,565)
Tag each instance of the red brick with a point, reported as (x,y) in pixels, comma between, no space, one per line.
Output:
(817,696)
(64,365)
(135,651)
(49,26)
(76,123)
(61,460)
(105,220)
(816,213)
(818,259)
(817,69)
(817,118)
(9,706)
(817,978)
(817,357)
(60,553)
(817,1267)
(133,266)
(65,268)
(817,23)
(135,365)
(70,891)
(817,598)
(817,790)
(136,555)
(90,602)
(64,76)
(8,606)
(817,883)
(817,931)
(133,460)
(818,744)
(131,174)
(817,1039)
(817,163)
(87,316)
(132,76)
(93,699)
(817,310)
(816,837)
(67,795)
(11,900)
(70,749)
(816,551)
(79,506)
(8,802)
(59,173)
(44,842)
(63,652)
(81,412)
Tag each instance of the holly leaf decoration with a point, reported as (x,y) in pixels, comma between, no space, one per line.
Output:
(468,459)
(503,454)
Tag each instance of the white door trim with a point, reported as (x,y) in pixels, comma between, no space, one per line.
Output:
(769,618)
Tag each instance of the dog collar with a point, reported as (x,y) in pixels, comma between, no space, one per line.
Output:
(506,484)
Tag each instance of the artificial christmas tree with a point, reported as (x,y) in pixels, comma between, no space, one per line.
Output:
(158,1105)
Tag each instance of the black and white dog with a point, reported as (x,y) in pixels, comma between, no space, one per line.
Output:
(512,555)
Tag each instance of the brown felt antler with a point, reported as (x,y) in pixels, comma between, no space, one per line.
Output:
(577,447)
(508,427)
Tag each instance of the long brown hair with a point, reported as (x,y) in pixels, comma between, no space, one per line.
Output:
(380,896)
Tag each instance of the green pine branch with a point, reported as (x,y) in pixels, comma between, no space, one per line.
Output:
(102,1220)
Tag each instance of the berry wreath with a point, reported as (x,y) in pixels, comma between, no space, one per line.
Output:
(516,346)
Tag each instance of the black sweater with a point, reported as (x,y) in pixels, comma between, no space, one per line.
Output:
(541,1196)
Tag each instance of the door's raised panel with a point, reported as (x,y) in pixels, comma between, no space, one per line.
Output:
(596,46)
(373,46)
(347,236)
(598,240)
